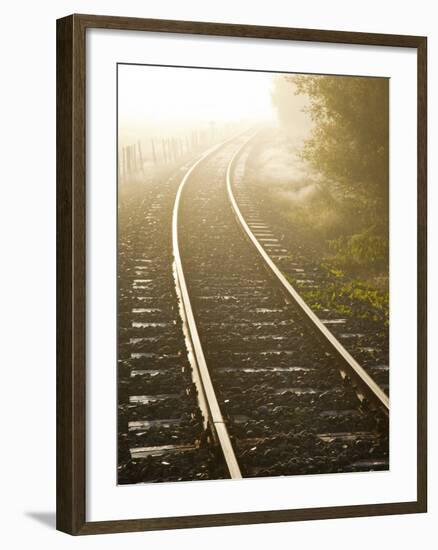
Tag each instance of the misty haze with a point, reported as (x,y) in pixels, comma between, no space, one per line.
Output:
(253,279)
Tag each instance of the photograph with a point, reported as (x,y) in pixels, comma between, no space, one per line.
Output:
(216,232)
(252,274)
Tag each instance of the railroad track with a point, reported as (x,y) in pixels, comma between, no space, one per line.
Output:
(276,393)
(161,428)
(355,317)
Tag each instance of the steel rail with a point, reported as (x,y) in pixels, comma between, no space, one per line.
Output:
(364,380)
(207,396)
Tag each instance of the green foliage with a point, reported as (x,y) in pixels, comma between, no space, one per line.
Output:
(362,250)
(338,273)
(348,150)
(349,143)
(356,295)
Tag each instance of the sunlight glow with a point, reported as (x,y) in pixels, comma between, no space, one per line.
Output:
(157,97)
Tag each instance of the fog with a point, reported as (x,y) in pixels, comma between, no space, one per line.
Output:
(165,111)
(164,98)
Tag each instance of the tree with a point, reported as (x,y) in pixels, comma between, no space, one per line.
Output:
(349,141)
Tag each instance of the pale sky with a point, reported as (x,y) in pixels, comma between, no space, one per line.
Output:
(171,93)
(167,100)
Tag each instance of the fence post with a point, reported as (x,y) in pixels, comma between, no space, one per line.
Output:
(154,155)
(140,156)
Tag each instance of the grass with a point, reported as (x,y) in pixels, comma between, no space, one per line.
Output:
(350,296)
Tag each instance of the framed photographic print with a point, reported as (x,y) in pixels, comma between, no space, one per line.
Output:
(241,256)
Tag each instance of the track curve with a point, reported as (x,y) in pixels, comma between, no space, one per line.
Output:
(206,393)
(276,388)
(352,367)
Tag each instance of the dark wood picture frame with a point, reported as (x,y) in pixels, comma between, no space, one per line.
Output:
(71,270)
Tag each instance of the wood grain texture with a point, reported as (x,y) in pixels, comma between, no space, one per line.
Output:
(70,173)
(71,270)
(248,518)
(247,31)
(422,276)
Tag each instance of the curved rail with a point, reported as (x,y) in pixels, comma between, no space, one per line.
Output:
(207,396)
(366,383)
